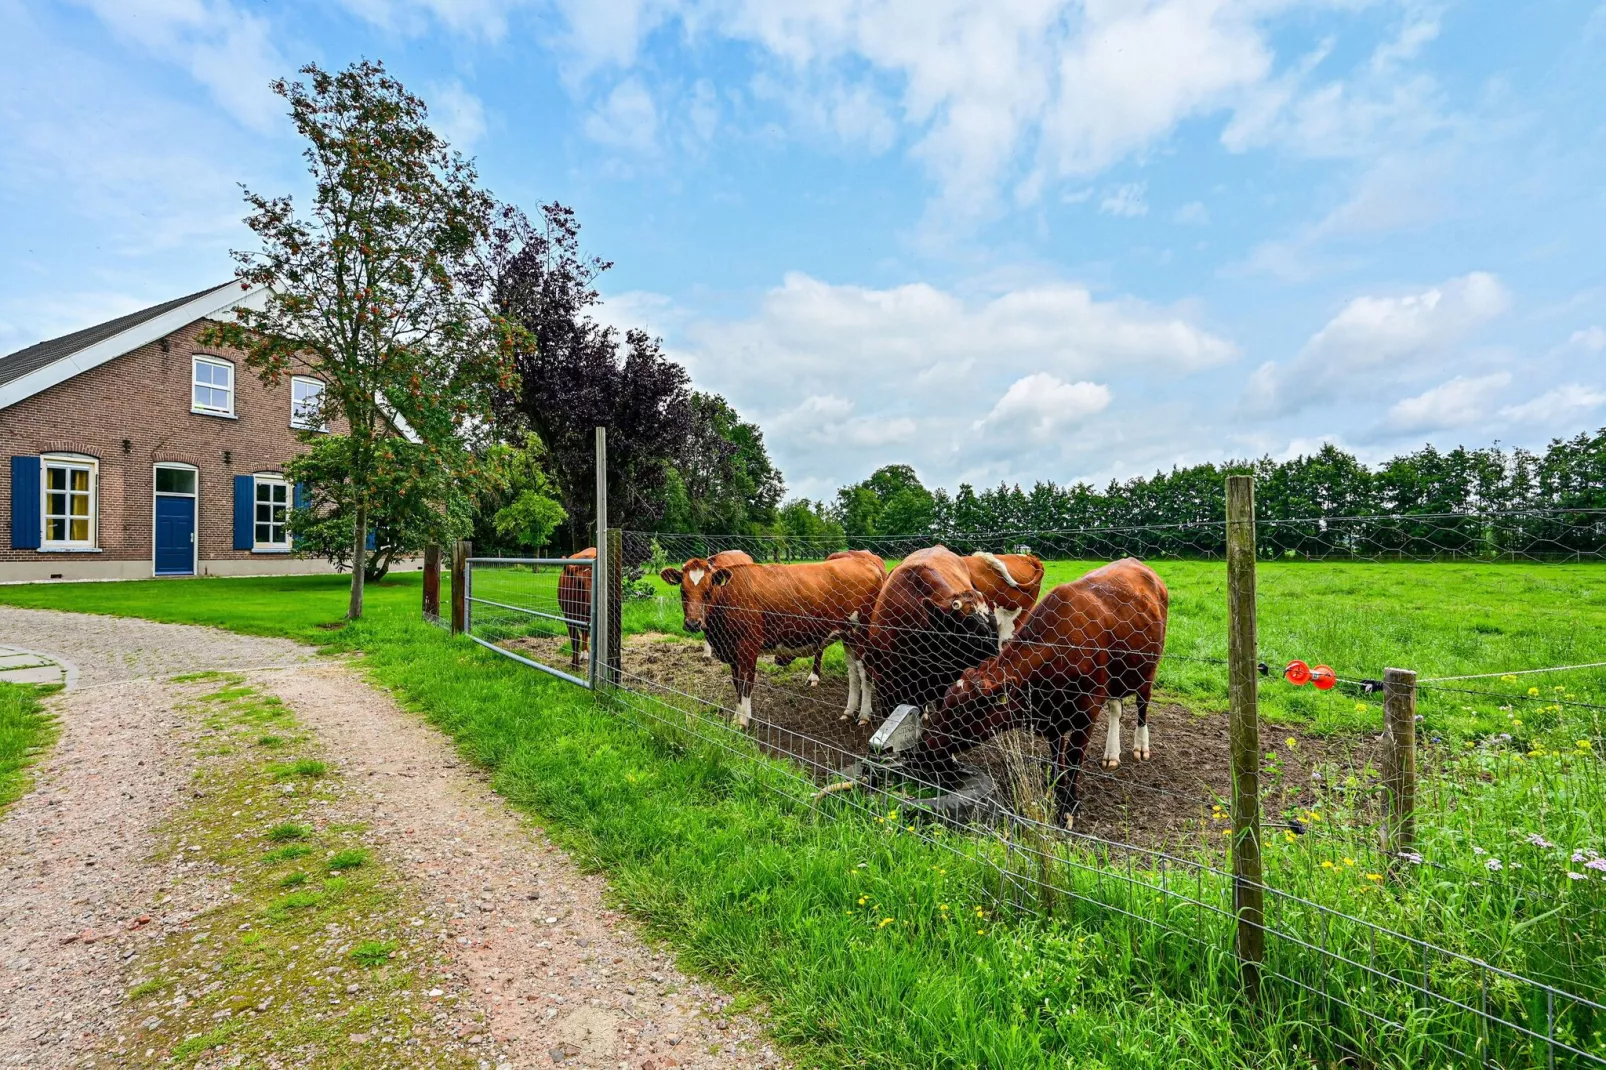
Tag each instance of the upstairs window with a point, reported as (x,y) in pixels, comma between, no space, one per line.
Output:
(69,502)
(272,511)
(212,391)
(306,404)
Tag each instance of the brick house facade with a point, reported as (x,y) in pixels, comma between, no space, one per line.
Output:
(128,437)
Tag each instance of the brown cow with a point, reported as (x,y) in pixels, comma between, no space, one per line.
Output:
(696,579)
(574,604)
(1009,582)
(930,624)
(793,609)
(1087,646)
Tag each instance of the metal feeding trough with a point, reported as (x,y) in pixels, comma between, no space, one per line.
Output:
(960,797)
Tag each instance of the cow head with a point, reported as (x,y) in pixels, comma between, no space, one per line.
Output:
(966,611)
(696,580)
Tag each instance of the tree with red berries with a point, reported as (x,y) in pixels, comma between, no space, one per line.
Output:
(375,287)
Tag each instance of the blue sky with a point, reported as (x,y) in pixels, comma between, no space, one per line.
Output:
(1006,239)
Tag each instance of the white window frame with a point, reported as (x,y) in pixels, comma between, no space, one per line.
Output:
(303,423)
(196,361)
(270,479)
(195,540)
(70,462)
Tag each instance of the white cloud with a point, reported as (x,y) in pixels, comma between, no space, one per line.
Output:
(1193,214)
(1041,404)
(456,114)
(1555,408)
(845,378)
(1590,339)
(224,48)
(1372,340)
(1125,200)
(483,19)
(626,119)
(1459,402)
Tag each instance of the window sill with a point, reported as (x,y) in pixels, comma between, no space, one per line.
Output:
(70,550)
(324,430)
(217,415)
(270,549)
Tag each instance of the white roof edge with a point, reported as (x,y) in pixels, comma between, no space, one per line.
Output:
(93,356)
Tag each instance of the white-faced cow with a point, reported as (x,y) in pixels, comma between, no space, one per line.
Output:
(1009,582)
(788,609)
(574,603)
(1087,646)
(696,579)
(930,623)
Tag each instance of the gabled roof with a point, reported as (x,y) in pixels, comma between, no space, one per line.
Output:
(45,364)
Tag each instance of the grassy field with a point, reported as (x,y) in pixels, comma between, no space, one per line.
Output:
(25,731)
(1360,618)
(878,946)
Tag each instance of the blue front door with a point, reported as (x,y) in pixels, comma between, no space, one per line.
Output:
(175,535)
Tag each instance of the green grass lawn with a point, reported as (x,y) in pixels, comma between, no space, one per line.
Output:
(25,731)
(865,938)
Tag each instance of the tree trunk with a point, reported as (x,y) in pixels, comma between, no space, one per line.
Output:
(359,548)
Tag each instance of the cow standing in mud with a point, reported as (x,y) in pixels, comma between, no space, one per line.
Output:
(930,623)
(696,580)
(574,604)
(791,610)
(1087,646)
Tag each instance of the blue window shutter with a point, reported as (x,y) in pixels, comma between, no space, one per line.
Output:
(25,525)
(301,499)
(244,508)
(373,540)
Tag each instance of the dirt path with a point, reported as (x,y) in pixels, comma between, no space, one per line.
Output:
(540,971)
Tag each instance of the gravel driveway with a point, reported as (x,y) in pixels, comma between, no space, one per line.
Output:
(556,976)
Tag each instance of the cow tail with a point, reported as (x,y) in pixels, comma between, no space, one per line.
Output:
(992,559)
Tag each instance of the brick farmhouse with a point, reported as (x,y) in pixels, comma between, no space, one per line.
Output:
(136,451)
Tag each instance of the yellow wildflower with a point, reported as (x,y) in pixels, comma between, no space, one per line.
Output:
(1289,836)
(1584,744)
(1349,861)
(1327,863)
(863,899)
(1374,876)
(1508,679)
(1291,742)
(1533,691)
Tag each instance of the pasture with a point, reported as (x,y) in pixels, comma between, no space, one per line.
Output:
(877,944)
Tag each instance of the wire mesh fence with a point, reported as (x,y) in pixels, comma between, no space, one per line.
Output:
(1016,656)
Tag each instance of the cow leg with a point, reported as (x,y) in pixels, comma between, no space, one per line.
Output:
(853,683)
(744,672)
(708,651)
(814,674)
(1140,735)
(1067,752)
(866,695)
(1112,735)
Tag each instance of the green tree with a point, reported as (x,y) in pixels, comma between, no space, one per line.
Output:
(415,500)
(518,503)
(370,290)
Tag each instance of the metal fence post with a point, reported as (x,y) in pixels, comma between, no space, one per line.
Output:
(1242,683)
(601,569)
(432,581)
(460,551)
(616,606)
(1399,771)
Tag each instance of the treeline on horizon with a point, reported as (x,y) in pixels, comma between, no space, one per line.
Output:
(1489,502)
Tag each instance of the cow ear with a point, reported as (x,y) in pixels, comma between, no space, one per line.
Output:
(721,577)
(670,576)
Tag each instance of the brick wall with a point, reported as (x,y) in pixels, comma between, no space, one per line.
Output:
(131,413)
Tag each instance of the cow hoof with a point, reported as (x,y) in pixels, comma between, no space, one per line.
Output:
(1110,763)
(814,680)
(1142,754)
(844,718)
(864,722)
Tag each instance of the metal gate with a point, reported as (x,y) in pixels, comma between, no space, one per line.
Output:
(535,610)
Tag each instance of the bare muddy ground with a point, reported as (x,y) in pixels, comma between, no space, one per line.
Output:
(1165,800)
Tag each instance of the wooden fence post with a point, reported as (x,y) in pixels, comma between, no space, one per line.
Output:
(1399,770)
(1243,679)
(432,581)
(460,551)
